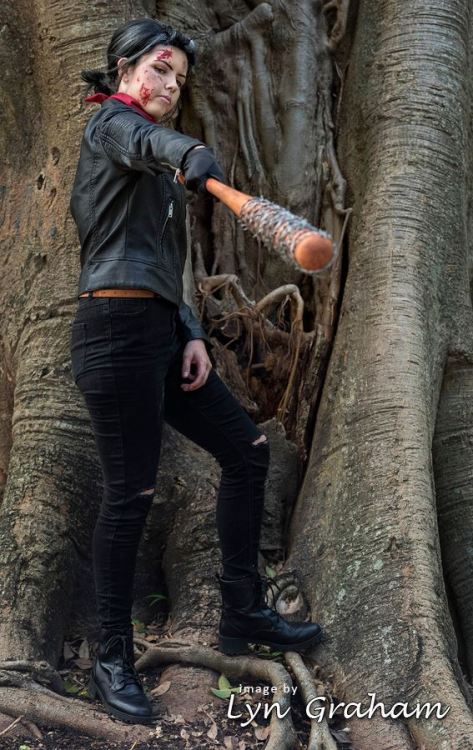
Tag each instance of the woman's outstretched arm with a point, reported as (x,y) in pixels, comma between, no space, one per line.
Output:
(135,144)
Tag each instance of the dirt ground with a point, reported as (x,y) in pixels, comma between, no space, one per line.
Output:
(214,731)
(210,727)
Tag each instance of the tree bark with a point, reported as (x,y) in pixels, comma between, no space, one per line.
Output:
(372,381)
(365,529)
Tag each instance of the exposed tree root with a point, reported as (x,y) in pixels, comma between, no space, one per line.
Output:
(16,673)
(455,730)
(267,346)
(31,701)
(27,692)
(337,33)
(383,734)
(45,707)
(291,292)
(282,730)
(320,737)
(17,726)
(453,472)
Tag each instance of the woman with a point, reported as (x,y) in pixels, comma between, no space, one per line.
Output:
(139,355)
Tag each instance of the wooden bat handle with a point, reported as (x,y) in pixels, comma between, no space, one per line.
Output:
(232,198)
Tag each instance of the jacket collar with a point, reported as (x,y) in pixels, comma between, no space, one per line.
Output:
(125,98)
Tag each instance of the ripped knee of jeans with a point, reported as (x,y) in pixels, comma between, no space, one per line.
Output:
(147,492)
(261,440)
(260,453)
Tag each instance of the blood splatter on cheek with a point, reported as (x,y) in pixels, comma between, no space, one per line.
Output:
(164,54)
(145,93)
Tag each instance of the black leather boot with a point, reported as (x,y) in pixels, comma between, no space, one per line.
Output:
(115,682)
(246,618)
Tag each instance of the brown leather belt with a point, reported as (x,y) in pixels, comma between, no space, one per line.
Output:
(120,293)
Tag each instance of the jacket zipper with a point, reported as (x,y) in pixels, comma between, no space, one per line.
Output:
(169,216)
(175,258)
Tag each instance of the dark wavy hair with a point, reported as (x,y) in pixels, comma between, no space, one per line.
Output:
(133,40)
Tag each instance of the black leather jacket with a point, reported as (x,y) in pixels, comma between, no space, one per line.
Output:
(129,208)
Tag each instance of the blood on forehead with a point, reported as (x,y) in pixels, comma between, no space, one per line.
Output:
(164,54)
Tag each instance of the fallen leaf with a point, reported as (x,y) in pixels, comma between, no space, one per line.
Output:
(67,651)
(223,683)
(178,719)
(231,743)
(184,734)
(84,651)
(83,663)
(262,733)
(212,732)
(71,688)
(162,688)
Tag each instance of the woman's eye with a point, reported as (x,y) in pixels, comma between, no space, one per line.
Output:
(164,71)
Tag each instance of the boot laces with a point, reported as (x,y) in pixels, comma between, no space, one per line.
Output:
(130,675)
(271,585)
(268,584)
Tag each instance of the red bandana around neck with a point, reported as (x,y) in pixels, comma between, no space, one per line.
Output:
(125,98)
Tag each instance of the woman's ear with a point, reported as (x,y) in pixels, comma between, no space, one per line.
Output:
(122,70)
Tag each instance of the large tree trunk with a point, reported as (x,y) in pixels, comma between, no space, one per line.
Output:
(365,529)
(381,411)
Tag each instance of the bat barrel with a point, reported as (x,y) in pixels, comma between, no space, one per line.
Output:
(313,252)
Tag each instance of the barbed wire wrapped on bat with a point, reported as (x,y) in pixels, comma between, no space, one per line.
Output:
(293,238)
(285,233)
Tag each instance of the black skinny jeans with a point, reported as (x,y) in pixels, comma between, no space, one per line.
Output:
(126,361)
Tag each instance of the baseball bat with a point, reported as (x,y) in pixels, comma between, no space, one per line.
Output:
(292,237)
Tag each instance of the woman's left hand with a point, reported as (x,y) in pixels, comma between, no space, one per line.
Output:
(195,356)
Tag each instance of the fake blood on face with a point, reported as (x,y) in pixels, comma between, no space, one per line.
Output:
(145,94)
(164,54)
